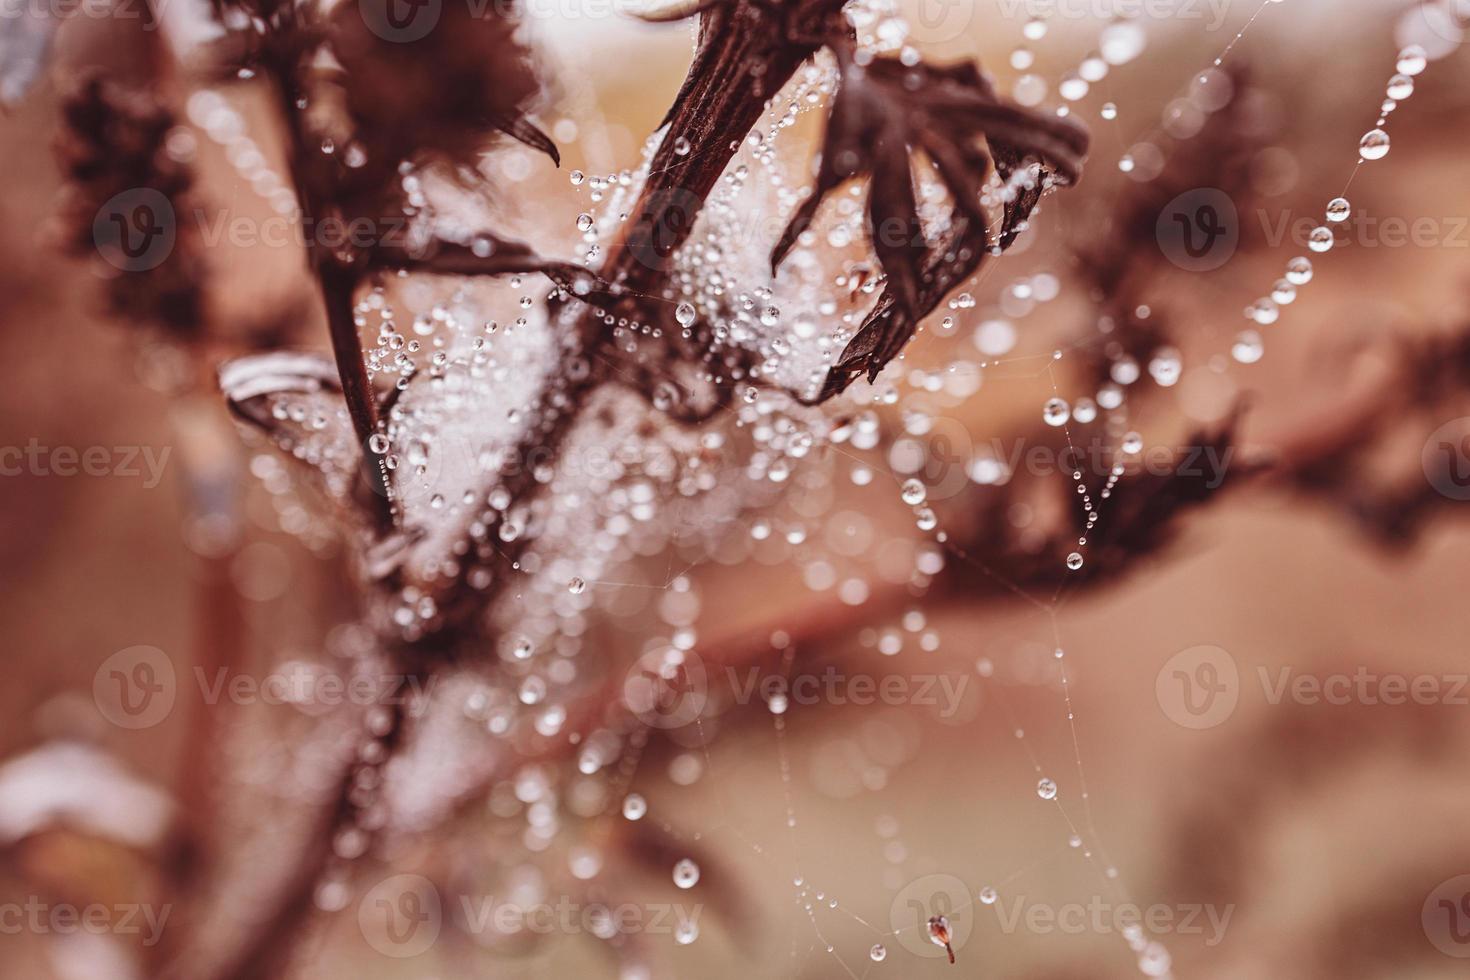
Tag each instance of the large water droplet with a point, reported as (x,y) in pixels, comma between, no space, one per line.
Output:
(686,873)
(1374,145)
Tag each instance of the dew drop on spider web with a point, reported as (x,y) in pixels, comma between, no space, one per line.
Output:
(1338,209)
(686,932)
(1074,561)
(913,492)
(1374,145)
(686,873)
(1412,60)
(684,313)
(1046,789)
(634,806)
(987,895)
(1299,270)
(1056,412)
(878,953)
(1248,347)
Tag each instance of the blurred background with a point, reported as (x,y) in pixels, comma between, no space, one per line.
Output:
(1225,745)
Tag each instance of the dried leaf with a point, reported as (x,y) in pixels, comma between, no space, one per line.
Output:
(883,112)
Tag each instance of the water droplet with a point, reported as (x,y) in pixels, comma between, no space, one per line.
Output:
(1074,561)
(1046,789)
(1109,111)
(1121,42)
(1299,270)
(1056,412)
(913,492)
(878,953)
(1412,60)
(379,443)
(686,873)
(1263,311)
(1320,240)
(576,586)
(987,895)
(684,313)
(584,222)
(634,806)
(1338,209)
(1400,87)
(576,177)
(1373,145)
(1248,348)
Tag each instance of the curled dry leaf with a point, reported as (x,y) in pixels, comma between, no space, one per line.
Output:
(883,112)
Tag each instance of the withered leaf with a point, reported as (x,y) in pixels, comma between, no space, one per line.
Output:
(883,112)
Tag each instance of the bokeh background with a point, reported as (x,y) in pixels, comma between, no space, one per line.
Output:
(1322,836)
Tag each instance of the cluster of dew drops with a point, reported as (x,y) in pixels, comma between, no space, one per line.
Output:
(755,315)
(1374,145)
